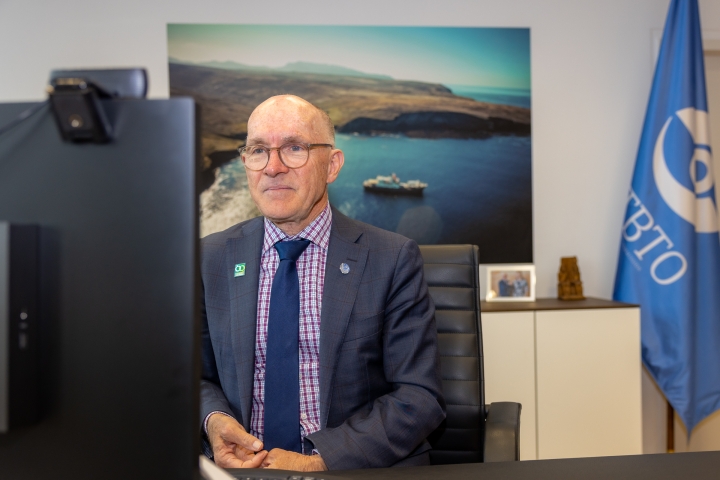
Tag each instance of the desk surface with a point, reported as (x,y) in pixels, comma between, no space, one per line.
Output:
(685,466)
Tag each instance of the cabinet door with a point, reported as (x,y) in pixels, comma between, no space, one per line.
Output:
(588,383)
(509,357)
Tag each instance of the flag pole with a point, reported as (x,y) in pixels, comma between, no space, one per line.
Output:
(670,428)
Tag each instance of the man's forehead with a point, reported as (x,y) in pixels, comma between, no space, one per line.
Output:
(284,105)
(285,127)
(267,136)
(292,123)
(289,118)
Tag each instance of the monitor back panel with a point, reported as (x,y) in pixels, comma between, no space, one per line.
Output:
(118,293)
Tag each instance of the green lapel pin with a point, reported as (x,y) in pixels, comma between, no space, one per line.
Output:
(240,270)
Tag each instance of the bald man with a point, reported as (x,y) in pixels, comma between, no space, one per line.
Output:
(349,376)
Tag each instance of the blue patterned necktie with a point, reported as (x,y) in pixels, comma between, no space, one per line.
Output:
(282,369)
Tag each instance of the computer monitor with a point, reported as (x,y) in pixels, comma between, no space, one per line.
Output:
(116,326)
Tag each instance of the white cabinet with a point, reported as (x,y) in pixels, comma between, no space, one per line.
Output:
(509,364)
(575,368)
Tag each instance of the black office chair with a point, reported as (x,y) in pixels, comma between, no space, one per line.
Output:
(472,432)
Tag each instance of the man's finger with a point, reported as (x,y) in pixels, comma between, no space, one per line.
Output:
(241,437)
(230,431)
(229,461)
(242,453)
(256,461)
(269,458)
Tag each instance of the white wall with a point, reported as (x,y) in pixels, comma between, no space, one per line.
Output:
(591,75)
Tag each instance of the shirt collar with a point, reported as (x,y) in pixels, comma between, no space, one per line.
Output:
(318,232)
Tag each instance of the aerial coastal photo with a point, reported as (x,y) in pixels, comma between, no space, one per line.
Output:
(435,123)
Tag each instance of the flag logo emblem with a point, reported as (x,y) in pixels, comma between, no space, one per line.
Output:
(240,270)
(697,207)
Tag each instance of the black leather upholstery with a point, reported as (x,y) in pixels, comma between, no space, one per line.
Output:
(502,432)
(451,272)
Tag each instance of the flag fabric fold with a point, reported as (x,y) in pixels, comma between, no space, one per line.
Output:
(669,260)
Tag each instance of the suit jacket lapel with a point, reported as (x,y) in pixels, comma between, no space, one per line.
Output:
(339,293)
(246,248)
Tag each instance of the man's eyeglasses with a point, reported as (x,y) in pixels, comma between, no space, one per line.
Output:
(292,155)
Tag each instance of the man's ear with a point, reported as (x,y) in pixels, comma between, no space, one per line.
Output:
(337,160)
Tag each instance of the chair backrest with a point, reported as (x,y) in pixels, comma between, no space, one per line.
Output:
(451,272)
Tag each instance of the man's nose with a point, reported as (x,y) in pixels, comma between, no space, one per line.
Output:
(275,165)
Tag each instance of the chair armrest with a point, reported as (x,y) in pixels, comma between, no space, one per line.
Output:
(502,432)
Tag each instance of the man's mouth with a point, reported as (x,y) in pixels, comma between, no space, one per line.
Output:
(277,187)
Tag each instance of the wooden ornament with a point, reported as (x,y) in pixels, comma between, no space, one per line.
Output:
(569,283)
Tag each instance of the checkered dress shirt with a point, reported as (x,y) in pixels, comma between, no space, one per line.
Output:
(311,274)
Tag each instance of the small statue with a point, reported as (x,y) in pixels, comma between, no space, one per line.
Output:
(569,284)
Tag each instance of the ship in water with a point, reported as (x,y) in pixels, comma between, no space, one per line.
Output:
(391,184)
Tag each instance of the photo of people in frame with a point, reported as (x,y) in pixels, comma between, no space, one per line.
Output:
(511,284)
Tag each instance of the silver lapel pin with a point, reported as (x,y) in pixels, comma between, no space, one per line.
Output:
(344,268)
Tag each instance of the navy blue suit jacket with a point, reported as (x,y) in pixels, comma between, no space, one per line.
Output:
(380,391)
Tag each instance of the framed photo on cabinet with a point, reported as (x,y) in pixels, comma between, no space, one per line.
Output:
(510,283)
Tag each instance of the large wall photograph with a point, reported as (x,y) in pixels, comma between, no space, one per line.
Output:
(434,122)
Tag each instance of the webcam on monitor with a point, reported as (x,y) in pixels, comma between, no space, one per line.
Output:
(75,100)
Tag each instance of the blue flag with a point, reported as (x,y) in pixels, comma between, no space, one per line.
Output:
(670,250)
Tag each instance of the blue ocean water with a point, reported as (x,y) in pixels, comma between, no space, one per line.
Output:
(479,191)
(503,96)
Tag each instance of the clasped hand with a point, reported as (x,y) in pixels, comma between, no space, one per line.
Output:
(233,447)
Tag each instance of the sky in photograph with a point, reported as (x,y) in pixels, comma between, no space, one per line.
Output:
(485,57)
